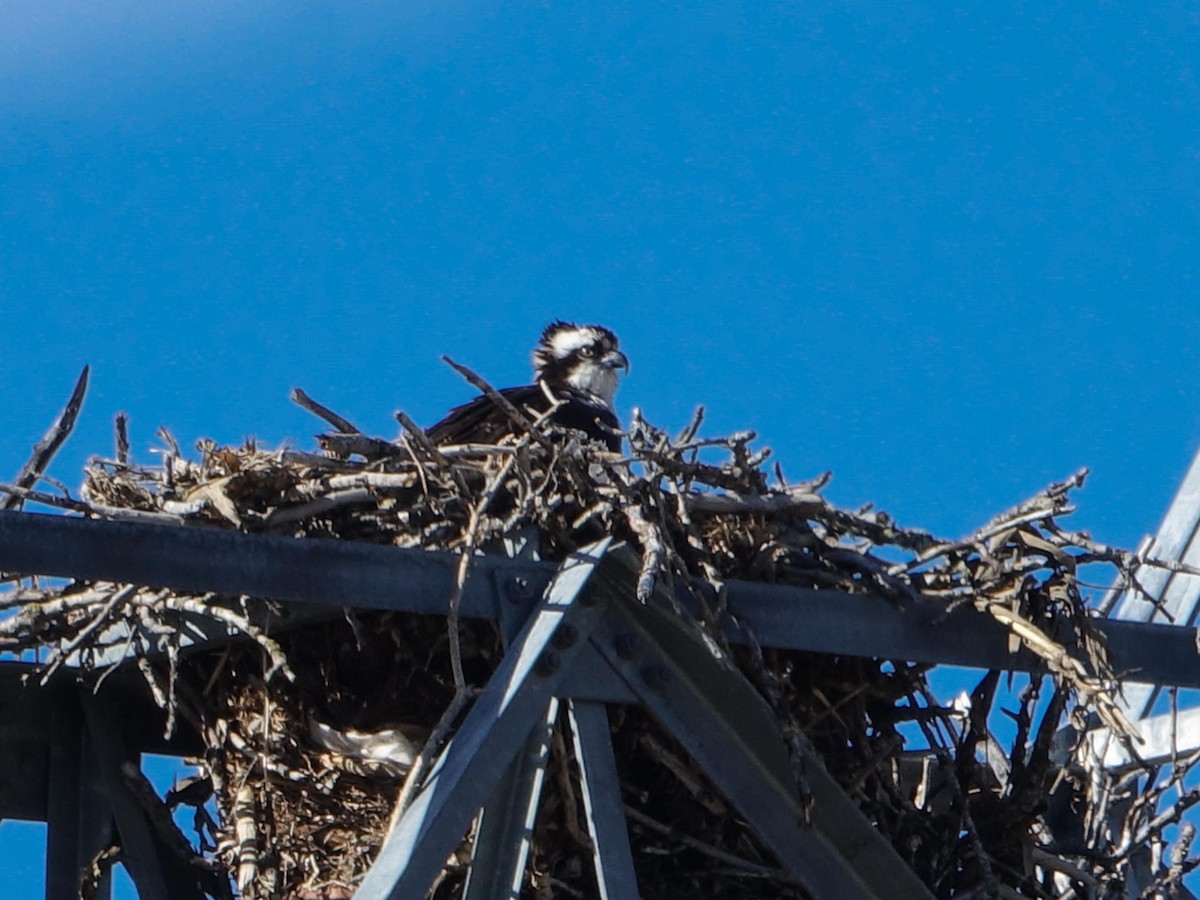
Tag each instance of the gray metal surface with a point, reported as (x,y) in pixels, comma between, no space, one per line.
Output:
(504,831)
(78,816)
(593,679)
(1165,738)
(36,741)
(335,573)
(496,726)
(1164,597)
(52,763)
(869,625)
(202,560)
(345,573)
(611,854)
(140,853)
(710,708)
(1169,596)
(1176,539)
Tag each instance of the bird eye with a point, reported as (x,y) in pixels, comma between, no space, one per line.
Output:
(587,352)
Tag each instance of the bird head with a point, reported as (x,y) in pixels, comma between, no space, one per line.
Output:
(583,357)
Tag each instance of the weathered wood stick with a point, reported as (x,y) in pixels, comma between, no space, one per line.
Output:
(45,449)
(301,399)
(421,440)
(19,494)
(370,448)
(121,431)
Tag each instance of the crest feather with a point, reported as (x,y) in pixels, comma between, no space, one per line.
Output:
(555,327)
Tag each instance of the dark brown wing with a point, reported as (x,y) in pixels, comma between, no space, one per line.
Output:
(596,422)
(481,421)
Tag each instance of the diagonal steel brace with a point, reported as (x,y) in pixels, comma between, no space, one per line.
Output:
(494,729)
(504,831)
(611,854)
(697,693)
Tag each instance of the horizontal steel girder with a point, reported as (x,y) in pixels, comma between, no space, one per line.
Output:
(344,573)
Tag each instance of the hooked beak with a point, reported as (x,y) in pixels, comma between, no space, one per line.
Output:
(615,359)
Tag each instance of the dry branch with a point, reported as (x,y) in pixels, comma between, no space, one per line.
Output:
(301,399)
(44,450)
(296,818)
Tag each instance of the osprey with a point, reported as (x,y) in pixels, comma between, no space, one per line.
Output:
(575,366)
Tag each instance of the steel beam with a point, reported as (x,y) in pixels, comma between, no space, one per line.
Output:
(203,560)
(345,573)
(1164,738)
(707,704)
(870,625)
(497,724)
(1176,540)
(504,832)
(33,725)
(78,817)
(611,854)
(157,874)
(1165,596)
(593,680)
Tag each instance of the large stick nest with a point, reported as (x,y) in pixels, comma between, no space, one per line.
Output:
(300,812)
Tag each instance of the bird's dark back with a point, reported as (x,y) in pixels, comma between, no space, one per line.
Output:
(482,421)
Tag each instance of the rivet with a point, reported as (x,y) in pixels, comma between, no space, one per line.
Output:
(518,590)
(548,663)
(566,635)
(655,677)
(625,645)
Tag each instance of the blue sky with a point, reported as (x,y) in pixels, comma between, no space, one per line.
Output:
(948,251)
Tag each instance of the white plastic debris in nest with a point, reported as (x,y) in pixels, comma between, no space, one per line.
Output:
(387,752)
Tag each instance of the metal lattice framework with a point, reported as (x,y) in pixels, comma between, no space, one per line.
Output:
(576,637)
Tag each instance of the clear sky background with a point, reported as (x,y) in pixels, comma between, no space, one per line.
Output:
(949,251)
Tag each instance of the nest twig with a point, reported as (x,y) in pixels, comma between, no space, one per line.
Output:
(300,820)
